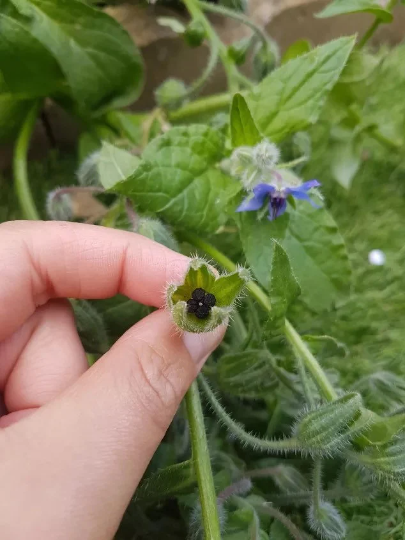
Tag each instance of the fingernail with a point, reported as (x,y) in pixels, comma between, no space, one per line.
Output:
(200,346)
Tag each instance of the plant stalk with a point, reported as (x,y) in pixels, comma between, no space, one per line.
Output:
(202,465)
(295,340)
(21,182)
(375,25)
(196,12)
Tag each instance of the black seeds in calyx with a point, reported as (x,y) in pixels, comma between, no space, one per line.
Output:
(198,294)
(192,305)
(209,300)
(202,312)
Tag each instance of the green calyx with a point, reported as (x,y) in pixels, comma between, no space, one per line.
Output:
(223,290)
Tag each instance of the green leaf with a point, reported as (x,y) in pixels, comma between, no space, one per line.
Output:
(90,326)
(292,96)
(177,179)
(114,165)
(341,7)
(27,68)
(168,482)
(345,161)
(243,129)
(119,313)
(247,374)
(359,66)
(298,48)
(316,250)
(98,58)
(283,290)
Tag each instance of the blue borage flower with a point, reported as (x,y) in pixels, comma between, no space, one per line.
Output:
(277,196)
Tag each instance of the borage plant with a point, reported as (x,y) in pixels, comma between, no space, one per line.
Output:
(226,176)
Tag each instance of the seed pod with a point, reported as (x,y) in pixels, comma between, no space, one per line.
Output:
(204,301)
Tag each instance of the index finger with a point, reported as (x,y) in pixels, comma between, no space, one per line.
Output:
(43,260)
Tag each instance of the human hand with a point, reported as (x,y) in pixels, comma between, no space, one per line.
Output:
(75,442)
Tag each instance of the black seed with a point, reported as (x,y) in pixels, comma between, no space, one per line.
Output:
(198,294)
(209,300)
(192,305)
(202,312)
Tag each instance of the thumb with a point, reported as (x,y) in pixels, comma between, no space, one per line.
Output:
(74,464)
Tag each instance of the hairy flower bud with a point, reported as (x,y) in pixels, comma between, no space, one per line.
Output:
(88,174)
(254,164)
(238,50)
(326,521)
(59,205)
(171,94)
(204,301)
(327,429)
(265,59)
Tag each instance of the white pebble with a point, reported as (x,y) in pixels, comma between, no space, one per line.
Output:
(376,257)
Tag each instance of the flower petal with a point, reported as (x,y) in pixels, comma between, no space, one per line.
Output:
(260,192)
(301,192)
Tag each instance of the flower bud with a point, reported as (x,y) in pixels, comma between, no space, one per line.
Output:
(326,430)
(238,50)
(265,59)
(171,94)
(194,34)
(59,205)
(155,230)
(254,164)
(88,174)
(326,521)
(204,301)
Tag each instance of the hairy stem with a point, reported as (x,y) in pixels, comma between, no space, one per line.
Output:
(317,485)
(21,182)
(195,11)
(295,340)
(202,465)
(282,445)
(286,521)
(375,25)
(206,74)
(221,10)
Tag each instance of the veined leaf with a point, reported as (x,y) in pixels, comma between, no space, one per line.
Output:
(114,164)
(97,57)
(246,374)
(283,290)
(312,241)
(292,96)
(27,69)
(177,179)
(341,7)
(243,129)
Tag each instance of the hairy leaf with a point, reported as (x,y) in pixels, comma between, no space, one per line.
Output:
(246,374)
(114,164)
(243,129)
(313,244)
(167,482)
(283,290)
(177,179)
(292,96)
